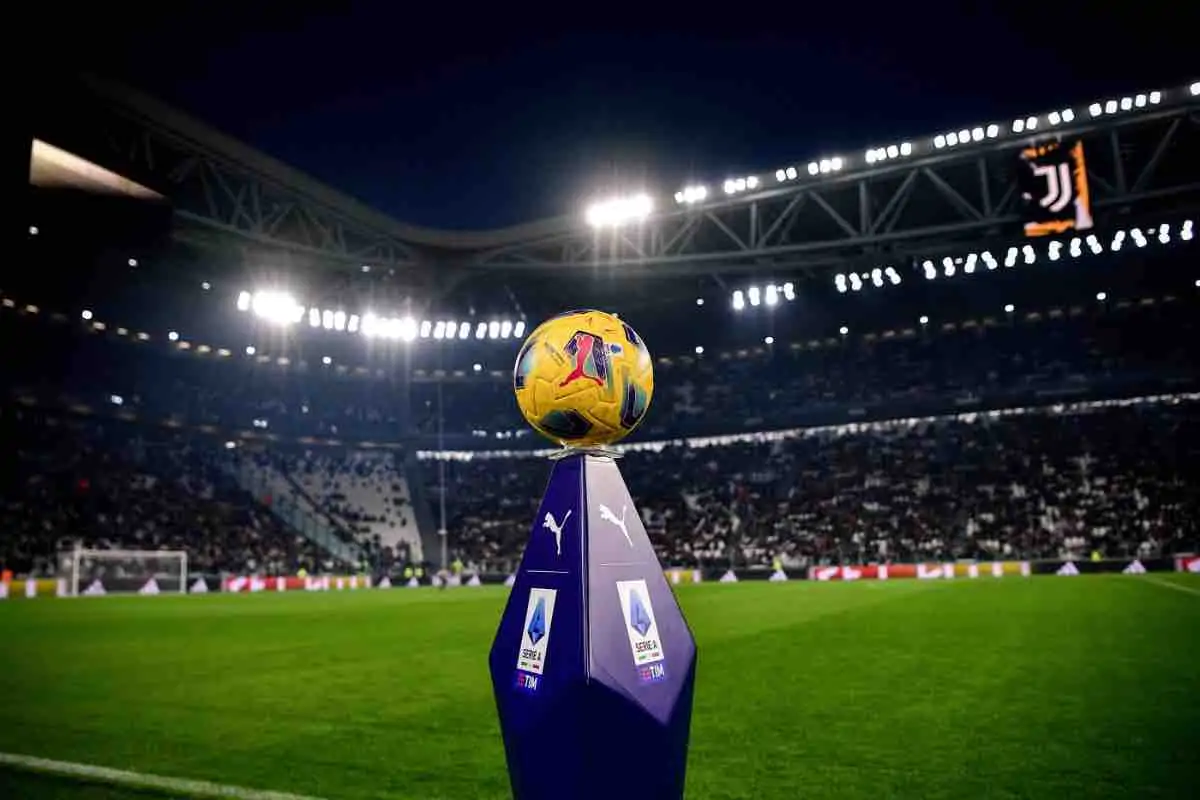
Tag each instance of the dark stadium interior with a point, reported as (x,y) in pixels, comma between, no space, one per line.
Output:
(853,370)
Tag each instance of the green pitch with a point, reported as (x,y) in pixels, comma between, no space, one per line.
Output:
(1022,688)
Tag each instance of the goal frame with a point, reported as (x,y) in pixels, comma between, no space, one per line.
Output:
(79,553)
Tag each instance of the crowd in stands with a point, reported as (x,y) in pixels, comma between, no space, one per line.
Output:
(1120,479)
(73,481)
(359,497)
(1052,483)
(1122,347)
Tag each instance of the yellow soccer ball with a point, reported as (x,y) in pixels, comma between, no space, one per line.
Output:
(584,379)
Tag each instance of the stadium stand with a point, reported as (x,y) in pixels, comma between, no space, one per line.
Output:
(1054,482)
(1051,482)
(110,484)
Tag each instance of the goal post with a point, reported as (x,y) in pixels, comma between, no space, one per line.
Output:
(95,572)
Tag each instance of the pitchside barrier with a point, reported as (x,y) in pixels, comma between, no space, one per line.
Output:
(677,576)
(1001,569)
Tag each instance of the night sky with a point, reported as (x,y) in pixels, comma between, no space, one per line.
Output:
(443,115)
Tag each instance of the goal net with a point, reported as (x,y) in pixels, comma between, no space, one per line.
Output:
(95,572)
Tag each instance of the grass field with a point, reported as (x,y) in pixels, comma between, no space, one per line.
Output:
(1023,688)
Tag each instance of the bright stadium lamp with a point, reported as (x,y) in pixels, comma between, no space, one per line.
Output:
(620,211)
(277,307)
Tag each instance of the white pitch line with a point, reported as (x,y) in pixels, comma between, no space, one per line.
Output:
(139,780)
(1169,585)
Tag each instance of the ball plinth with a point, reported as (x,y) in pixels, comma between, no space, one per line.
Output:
(584,379)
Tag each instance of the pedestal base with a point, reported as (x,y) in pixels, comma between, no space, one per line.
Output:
(593,665)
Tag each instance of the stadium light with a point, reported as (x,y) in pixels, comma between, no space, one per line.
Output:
(699,350)
(519,329)
(276,307)
(620,211)
(956,138)
(689,195)
(1055,250)
(739,185)
(924,320)
(769,340)
(87,314)
(33,229)
(326,360)
(477,367)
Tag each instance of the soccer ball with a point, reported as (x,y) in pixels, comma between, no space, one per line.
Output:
(583,379)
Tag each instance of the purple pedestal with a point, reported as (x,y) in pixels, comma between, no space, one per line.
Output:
(593,666)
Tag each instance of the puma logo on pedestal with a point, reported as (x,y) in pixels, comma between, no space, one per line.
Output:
(551,524)
(607,515)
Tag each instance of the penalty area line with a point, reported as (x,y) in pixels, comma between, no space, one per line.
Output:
(141,780)
(1170,585)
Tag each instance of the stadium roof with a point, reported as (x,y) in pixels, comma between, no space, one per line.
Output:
(203,136)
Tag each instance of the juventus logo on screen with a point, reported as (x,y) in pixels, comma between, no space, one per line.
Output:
(1054,185)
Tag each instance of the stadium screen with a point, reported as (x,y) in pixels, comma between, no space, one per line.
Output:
(1053,181)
